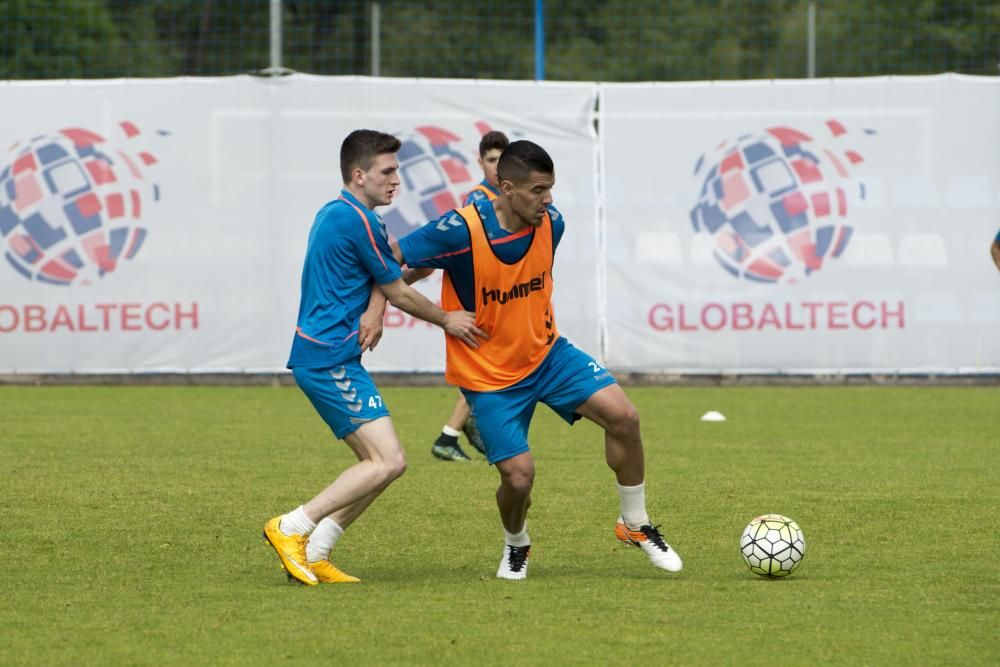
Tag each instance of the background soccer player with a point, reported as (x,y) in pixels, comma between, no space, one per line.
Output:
(491,146)
(510,242)
(348,254)
(446,446)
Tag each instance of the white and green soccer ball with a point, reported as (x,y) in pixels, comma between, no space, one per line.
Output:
(772,545)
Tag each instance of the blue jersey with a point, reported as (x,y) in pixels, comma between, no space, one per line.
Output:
(348,252)
(479,195)
(444,244)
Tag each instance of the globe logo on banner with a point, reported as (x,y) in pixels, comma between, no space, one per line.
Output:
(436,172)
(72,204)
(775,203)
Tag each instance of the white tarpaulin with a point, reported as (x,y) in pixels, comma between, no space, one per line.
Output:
(803,226)
(155,225)
(791,226)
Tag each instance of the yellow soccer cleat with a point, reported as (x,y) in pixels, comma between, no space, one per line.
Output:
(328,573)
(291,549)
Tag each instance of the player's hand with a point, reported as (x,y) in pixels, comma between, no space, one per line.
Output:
(369,330)
(462,325)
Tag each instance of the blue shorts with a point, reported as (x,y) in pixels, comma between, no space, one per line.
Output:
(566,378)
(344,396)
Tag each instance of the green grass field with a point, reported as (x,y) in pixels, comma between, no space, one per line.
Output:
(132,518)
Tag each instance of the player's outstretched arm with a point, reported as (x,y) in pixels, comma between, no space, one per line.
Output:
(458,323)
(411,276)
(995,253)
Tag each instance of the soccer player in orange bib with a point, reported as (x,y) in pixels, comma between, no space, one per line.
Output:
(497,257)
(446,446)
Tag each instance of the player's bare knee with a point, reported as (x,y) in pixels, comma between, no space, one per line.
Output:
(623,423)
(392,467)
(518,481)
(397,466)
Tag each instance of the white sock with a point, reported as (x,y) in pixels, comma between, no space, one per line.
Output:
(296,523)
(323,539)
(518,539)
(447,430)
(633,500)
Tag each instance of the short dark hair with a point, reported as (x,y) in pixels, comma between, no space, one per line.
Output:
(493,139)
(521,158)
(360,149)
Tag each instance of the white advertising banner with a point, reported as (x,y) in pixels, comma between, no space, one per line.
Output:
(160,225)
(788,226)
(802,226)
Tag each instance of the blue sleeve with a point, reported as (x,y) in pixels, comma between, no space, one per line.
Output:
(474,196)
(373,252)
(435,244)
(558,226)
(997,239)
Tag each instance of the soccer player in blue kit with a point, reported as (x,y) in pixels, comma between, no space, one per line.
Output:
(348,259)
(497,257)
